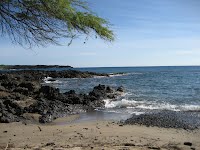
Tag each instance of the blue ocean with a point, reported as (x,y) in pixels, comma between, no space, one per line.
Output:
(147,89)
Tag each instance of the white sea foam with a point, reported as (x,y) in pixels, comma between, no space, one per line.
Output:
(123,74)
(47,80)
(149,105)
(117,75)
(137,113)
(190,107)
(99,76)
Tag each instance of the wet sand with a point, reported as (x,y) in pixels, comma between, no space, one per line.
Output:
(97,135)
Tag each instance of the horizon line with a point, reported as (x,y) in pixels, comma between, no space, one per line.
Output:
(140,66)
(102,66)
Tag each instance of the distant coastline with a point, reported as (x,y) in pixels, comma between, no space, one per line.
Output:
(8,67)
(32,66)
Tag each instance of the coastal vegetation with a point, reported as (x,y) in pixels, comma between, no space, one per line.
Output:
(43,22)
(2,66)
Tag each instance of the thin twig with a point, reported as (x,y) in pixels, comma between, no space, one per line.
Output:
(6,146)
(39,128)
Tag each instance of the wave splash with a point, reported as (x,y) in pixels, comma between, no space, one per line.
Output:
(149,105)
(49,80)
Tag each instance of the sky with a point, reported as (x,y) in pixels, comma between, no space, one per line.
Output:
(147,33)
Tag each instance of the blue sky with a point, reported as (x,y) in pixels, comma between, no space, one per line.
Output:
(148,33)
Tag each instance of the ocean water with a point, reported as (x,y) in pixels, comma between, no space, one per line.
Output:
(147,89)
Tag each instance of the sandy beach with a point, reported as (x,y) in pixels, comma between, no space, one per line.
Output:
(98,135)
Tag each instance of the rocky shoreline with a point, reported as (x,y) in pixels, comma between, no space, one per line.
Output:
(22,93)
(24,97)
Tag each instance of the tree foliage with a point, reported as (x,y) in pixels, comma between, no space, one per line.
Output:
(40,22)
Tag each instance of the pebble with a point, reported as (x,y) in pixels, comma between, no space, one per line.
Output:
(188,143)
(50,144)
(129,144)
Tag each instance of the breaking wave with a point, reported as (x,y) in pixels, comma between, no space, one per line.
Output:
(149,105)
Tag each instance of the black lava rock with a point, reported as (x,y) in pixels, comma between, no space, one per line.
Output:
(166,119)
(22,92)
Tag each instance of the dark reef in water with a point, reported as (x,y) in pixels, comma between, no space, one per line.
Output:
(21,93)
(167,119)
